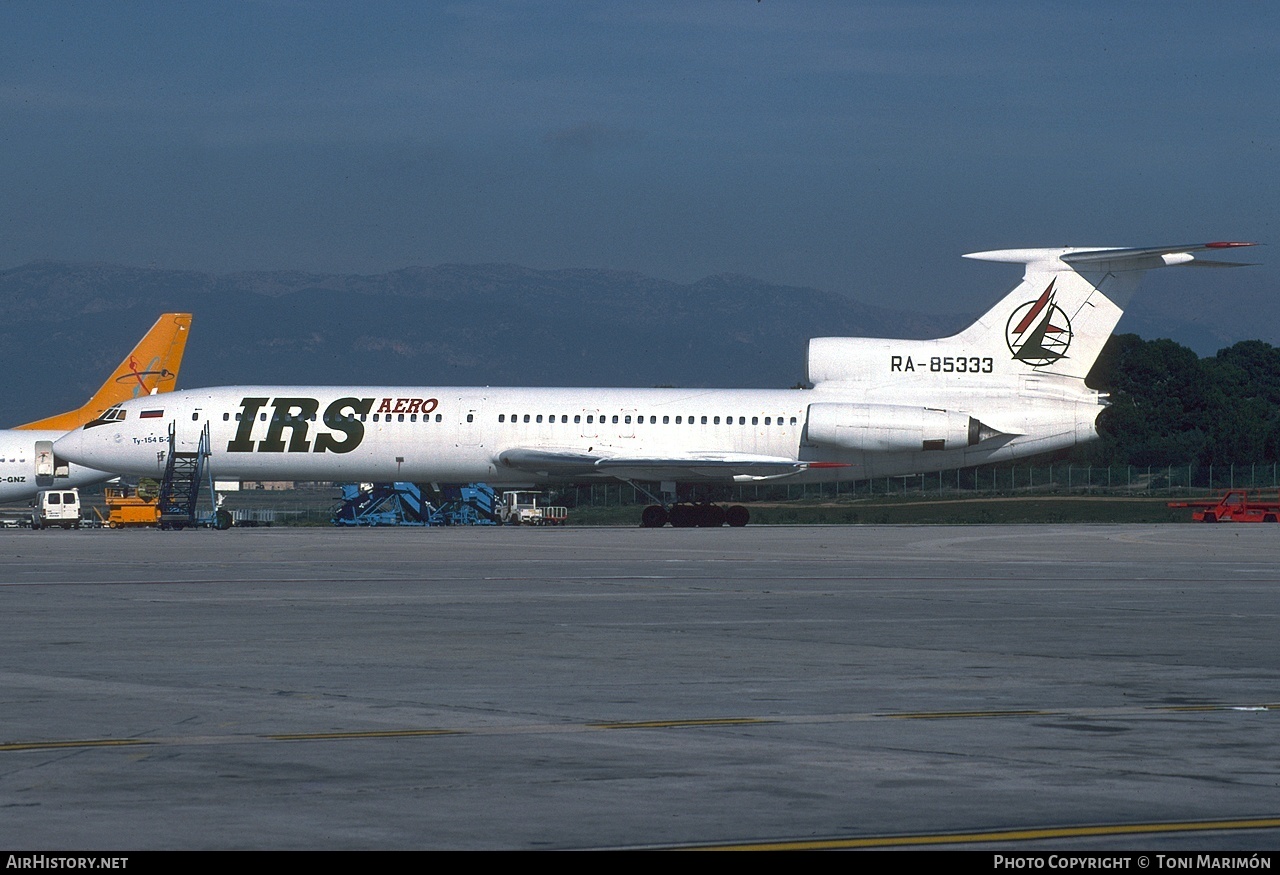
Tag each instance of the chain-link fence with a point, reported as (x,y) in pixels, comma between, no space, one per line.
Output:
(1049,479)
(315,504)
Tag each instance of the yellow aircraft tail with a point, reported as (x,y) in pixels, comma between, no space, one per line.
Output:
(151,367)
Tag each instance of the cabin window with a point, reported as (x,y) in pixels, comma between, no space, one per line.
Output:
(716,421)
(615,418)
(413,417)
(704,420)
(793,420)
(755,420)
(577,417)
(526,417)
(262,417)
(471,417)
(502,417)
(666,420)
(627,419)
(438,417)
(226,416)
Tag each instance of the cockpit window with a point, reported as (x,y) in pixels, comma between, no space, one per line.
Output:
(111,414)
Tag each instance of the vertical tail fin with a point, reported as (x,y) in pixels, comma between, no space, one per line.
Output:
(150,367)
(1055,323)
(1058,319)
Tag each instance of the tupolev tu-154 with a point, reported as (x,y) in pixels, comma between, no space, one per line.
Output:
(1010,385)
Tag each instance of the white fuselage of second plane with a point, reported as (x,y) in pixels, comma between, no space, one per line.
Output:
(448,435)
(27,465)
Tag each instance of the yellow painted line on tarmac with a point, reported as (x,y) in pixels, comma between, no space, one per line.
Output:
(958,715)
(1010,835)
(87,742)
(676,724)
(377,733)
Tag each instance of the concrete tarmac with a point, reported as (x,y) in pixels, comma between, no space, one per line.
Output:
(1019,687)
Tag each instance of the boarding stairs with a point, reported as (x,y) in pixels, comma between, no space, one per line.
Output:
(180,487)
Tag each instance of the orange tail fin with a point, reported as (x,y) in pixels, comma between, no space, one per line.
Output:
(150,367)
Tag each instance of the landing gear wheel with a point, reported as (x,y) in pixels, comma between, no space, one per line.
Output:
(654,517)
(710,516)
(737,516)
(222,520)
(683,516)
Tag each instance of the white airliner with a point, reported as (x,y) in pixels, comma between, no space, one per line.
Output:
(27,460)
(1010,385)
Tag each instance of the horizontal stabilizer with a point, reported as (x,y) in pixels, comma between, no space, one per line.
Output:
(1115,258)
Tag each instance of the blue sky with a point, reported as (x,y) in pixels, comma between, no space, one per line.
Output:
(856,147)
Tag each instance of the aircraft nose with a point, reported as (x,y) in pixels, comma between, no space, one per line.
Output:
(73,447)
(114,447)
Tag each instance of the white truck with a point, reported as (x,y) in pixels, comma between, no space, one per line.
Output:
(56,507)
(521,508)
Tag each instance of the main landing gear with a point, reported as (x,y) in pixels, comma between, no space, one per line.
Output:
(696,510)
(688,516)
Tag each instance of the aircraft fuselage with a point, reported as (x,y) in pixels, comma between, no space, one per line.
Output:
(458,434)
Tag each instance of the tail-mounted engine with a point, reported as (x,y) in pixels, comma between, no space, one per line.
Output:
(893,428)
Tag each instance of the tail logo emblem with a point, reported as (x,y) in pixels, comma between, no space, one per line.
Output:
(140,376)
(1039,332)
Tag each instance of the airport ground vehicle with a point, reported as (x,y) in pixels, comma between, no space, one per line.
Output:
(1233,507)
(520,508)
(56,507)
(128,506)
(411,504)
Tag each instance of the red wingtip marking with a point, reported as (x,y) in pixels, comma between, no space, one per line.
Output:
(1226,244)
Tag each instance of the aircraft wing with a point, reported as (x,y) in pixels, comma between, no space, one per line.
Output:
(708,466)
